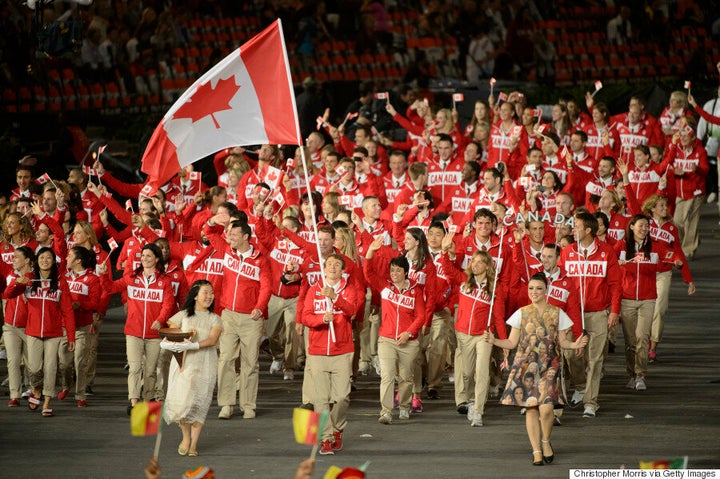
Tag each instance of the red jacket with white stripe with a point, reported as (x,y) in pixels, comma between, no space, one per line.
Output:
(147,300)
(639,282)
(473,315)
(694,164)
(343,308)
(668,235)
(599,275)
(86,290)
(246,281)
(48,312)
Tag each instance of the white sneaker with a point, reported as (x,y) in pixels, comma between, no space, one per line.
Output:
(27,393)
(376,365)
(451,377)
(712,197)
(289,376)
(248,414)
(404,414)
(523,411)
(385,419)
(471,411)
(577,397)
(276,366)
(630,384)
(226,412)
(476,420)
(589,412)
(3,354)
(364,369)
(640,384)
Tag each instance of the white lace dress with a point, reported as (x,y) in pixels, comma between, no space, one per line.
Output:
(190,391)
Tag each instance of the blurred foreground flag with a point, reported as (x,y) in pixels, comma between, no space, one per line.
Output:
(678,463)
(308,425)
(145,418)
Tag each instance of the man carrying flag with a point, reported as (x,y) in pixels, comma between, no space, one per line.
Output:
(331,360)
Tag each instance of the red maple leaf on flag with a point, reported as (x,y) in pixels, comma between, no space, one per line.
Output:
(208,100)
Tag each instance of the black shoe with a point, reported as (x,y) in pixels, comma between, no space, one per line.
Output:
(611,347)
(129,409)
(307,406)
(89,391)
(462,408)
(549,459)
(433,394)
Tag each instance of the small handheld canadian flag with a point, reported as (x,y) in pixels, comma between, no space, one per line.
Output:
(537,113)
(492,81)
(382,95)
(101,149)
(320,122)
(89,171)
(458,97)
(290,163)
(541,129)
(598,85)
(688,84)
(41,180)
(565,152)
(195,175)
(341,170)
(502,96)
(112,244)
(350,116)
(128,205)
(278,197)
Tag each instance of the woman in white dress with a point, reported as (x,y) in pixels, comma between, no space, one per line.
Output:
(190,388)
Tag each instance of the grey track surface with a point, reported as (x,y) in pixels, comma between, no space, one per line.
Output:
(677,415)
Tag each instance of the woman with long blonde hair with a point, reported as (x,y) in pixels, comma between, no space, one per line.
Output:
(480,308)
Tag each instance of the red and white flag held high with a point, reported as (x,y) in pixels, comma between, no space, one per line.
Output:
(246,99)
(41,180)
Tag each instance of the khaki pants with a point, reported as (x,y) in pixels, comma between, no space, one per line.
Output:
(42,363)
(332,387)
(162,374)
(17,355)
(475,354)
(663,281)
(75,359)
(432,352)
(240,337)
(308,387)
(575,365)
(636,322)
(93,341)
(284,341)
(369,334)
(596,324)
(687,217)
(137,349)
(396,361)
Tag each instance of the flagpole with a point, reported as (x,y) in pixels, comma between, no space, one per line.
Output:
(158,438)
(305,172)
(497,272)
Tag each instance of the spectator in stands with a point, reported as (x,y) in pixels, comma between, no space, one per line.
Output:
(619,30)
(481,55)
(544,59)
(91,59)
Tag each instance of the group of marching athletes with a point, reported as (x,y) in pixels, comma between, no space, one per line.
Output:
(441,253)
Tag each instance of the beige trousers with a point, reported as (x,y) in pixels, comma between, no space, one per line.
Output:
(17,355)
(396,362)
(575,365)
(92,347)
(76,360)
(596,324)
(475,353)
(141,375)
(369,334)
(42,363)
(284,341)
(661,305)
(636,322)
(686,218)
(240,337)
(331,389)
(432,352)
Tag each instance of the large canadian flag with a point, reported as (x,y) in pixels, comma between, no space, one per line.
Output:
(246,99)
